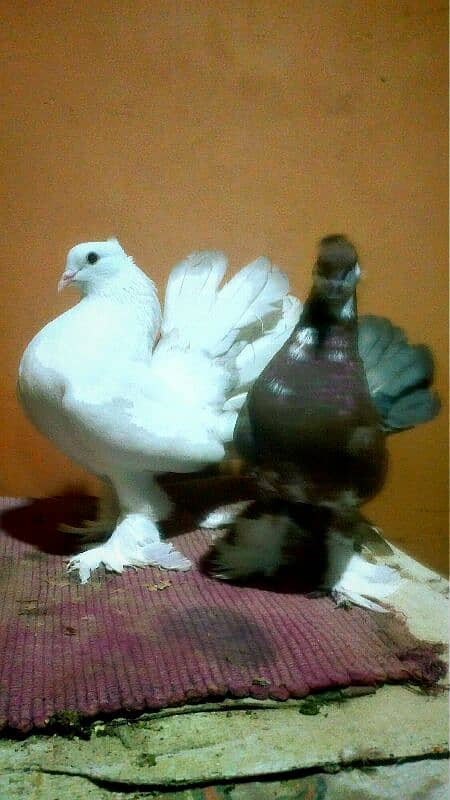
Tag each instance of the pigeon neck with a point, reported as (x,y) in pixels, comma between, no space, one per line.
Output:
(135,298)
(326,316)
(320,308)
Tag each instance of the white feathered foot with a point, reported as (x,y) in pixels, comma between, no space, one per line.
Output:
(353,579)
(135,541)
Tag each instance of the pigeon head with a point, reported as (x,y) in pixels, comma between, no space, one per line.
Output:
(93,263)
(336,271)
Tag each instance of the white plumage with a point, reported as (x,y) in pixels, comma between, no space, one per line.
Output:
(97,382)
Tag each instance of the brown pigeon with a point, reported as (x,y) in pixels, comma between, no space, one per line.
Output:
(314,430)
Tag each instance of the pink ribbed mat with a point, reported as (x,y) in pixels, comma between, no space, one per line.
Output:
(148,639)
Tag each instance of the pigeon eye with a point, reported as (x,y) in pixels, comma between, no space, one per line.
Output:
(91,258)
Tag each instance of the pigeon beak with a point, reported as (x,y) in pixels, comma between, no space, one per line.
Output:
(66,278)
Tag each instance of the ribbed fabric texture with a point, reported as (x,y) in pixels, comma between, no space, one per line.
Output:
(148,639)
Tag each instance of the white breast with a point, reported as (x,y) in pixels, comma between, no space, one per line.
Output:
(84,343)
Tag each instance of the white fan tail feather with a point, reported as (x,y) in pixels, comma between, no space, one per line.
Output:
(257,353)
(214,319)
(219,339)
(191,292)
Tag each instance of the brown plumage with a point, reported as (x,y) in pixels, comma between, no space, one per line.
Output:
(310,426)
(313,431)
(316,443)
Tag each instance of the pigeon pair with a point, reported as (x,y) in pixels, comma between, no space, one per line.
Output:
(131,393)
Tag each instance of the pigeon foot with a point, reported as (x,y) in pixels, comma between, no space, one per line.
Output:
(134,543)
(162,555)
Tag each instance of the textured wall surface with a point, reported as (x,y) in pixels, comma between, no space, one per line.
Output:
(252,127)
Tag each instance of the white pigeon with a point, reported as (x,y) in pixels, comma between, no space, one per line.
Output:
(127,405)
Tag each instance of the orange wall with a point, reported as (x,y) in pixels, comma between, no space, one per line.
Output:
(255,127)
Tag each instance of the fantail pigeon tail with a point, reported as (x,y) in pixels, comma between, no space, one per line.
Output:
(224,336)
(246,308)
(191,291)
(258,351)
(412,409)
(221,321)
(399,375)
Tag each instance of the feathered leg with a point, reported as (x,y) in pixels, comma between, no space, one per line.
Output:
(135,541)
(351,578)
(255,547)
(262,544)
